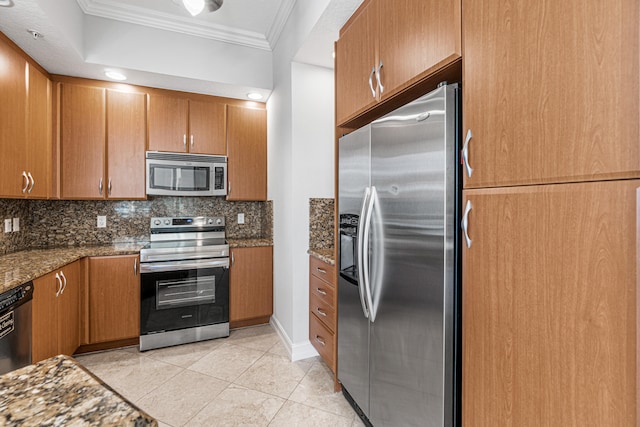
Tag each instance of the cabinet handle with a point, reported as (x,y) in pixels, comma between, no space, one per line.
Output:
(321,313)
(320,291)
(109,187)
(378,78)
(100,186)
(135,267)
(233,259)
(64,286)
(26,179)
(373,91)
(33,182)
(465,153)
(191,141)
(184,141)
(465,223)
(321,341)
(59,285)
(321,270)
(229,188)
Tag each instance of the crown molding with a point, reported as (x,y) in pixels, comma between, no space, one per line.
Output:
(277,26)
(136,15)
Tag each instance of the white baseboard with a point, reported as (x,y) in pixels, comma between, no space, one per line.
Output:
(298,351)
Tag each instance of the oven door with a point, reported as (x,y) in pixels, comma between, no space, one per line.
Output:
(183,294)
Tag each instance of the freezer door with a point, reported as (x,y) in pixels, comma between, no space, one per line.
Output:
(353,326)
(412,262)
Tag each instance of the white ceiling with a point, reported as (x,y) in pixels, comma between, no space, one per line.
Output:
(158,43)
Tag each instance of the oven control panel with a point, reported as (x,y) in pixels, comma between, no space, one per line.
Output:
(187,222)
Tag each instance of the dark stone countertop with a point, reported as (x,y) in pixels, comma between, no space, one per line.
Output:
(60,392)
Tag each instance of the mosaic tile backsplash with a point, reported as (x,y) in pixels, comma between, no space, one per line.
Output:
(321,223)
(46,223)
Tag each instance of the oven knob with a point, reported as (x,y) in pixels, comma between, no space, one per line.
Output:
(156,222)
(219,221)
(210,221)
(167,222)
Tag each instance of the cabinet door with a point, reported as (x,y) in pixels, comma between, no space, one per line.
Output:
(39,144)
(551,91)
(44,315)
(251,283)
(168,121)
(82,136)
(416,38)
(13,96)
(114,298)
(549,305)
(355,62)
(126,142)
(69,309)
(207,130)
(247,151)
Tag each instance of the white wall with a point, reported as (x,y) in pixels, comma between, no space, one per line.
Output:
(298,125)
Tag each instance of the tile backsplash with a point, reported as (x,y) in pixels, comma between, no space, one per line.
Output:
(321,223)
(46,223)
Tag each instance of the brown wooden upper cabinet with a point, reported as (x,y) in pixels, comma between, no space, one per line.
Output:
(25,127)
(95,121)
(388,45)
(551,91)
(186,126)
(247,148)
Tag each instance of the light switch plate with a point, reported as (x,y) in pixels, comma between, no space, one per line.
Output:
(7,225)
(102,221)
(16,224)
(240,218)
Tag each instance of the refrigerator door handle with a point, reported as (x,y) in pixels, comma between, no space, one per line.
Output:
(360,260)
(365,252)
(378,255)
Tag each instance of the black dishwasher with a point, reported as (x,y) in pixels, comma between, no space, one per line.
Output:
(15,328)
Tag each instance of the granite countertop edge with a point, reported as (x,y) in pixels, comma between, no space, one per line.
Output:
(325,254)
(60,391)
(20,267)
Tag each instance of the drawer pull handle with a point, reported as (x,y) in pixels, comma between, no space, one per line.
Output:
(321,341)
(321,313)
(321,270)
(320,291)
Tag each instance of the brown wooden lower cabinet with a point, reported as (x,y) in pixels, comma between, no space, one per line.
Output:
(250,286)
(56,313)
(550,305)
(113,298)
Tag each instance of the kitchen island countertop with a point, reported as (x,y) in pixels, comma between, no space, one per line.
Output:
(58,391)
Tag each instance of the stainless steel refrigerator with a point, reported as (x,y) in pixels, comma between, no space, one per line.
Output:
(398,257)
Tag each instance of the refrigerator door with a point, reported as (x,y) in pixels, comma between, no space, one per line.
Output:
(412,263)
(353,326)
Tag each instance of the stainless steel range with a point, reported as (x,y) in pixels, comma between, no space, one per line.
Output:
(184,282)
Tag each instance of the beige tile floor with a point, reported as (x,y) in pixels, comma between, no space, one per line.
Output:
(244,380)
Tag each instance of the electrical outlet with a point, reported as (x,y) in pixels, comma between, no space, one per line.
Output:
(240,218)
(102,221)
(16,224)
(7,225)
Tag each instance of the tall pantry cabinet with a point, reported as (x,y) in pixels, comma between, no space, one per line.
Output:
(551,144)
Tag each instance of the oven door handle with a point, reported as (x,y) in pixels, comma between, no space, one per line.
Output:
(157,267)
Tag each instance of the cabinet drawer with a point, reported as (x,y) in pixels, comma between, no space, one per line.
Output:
(323,341)
(324,311)
(322,270)
(322,290)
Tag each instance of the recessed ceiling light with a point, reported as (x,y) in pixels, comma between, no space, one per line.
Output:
(254,95)
(6,3)
(115,75)
(36,34)
(194,7)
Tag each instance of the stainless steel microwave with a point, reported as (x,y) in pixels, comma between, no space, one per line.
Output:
(181,174)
